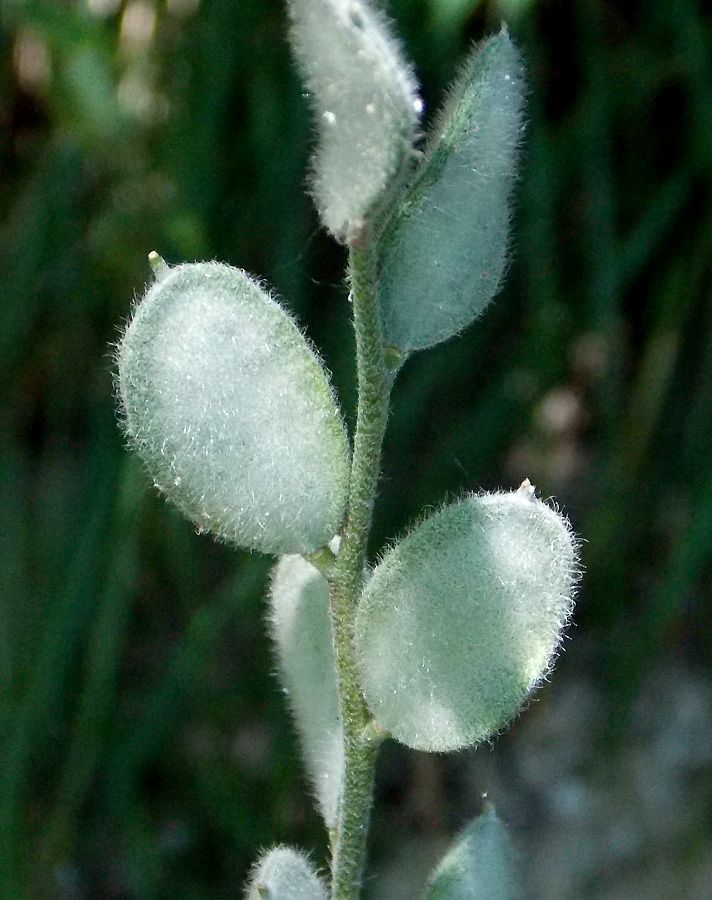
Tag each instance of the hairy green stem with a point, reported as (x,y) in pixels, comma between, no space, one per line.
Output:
(349,846)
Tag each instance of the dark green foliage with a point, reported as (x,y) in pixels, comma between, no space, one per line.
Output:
(145,748)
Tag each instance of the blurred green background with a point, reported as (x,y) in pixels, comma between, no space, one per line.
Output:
(145,750)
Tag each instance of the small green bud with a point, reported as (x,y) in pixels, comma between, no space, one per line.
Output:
(285,874)
(478,866)
(232,412)
(461,619)
(445,251)
(301,628)
(365,99)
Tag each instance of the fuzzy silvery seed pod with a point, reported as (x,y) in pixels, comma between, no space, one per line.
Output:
(445,251)
(301,629)
(285,874)
(462,618)
(232,412)
(366,104)
(479,865)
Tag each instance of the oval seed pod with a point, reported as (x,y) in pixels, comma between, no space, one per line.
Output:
(461,619)
(285,874)
(301,628)
(479,865)
(232,412)
(445,250)
(365,99)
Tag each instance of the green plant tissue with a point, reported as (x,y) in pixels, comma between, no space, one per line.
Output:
(365,102)
(479,866)
(461,619)
(232,412)
(445,250)
(300,625)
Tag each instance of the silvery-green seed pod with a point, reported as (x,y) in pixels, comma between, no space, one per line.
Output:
(479,865)
(444,253)
(461,619)
(232,412)
(366,104)
(285,874)
(301,629)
